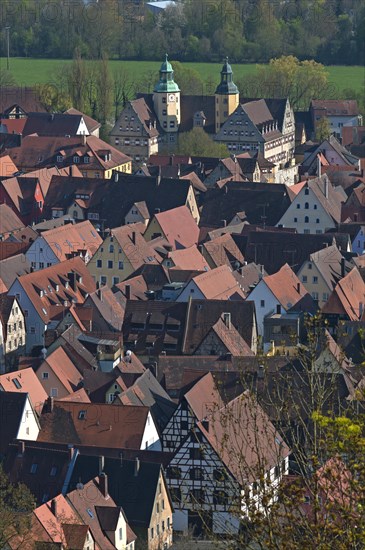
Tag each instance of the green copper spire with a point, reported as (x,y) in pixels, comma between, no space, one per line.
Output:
(226,86)
(166,82)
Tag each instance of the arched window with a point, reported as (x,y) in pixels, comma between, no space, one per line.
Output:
(75,214)
(306,206)
(306,219)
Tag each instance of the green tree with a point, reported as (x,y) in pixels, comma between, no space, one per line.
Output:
(54,99)
(198,143)
(16,506)
(188,80)
(323,130)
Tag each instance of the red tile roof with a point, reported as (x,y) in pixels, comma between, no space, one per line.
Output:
(348,297)
(286,287)
(26,382)
(7,166)
(219,284)
(137,250)
(9,221)
(50,289)
(179,227)
(70,239)
(61,365)
(188,258)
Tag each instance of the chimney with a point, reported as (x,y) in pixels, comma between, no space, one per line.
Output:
(224,223)
(101,464)
(103,484)
(342,267)
(157,210)
(319,166)
(158,178)
(326,187)
(51,404)
(171,160)
(128,292)
(136,466)
(227,320)
(121,458)
(133,237)
(71,171)
(71,451)
(21,448)
(278,309)
(83,139)
(298,288)
(99,294)
(54,507)
(116,176)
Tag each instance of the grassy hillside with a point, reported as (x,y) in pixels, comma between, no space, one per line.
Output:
(28,72)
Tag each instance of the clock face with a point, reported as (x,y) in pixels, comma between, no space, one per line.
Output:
(171,97)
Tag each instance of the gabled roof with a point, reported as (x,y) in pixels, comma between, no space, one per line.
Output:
(91,124)
(219,284)
(25,380)
(109,426)
(179,227)
(148,392)
(287,289)
(231,339)
(9,221)
(244,438)
(134,246)
(223,250)
(347,297)
(108,306)
(26,97)
(63,368)
(53,525)
(50,288)
(125,487)
(7,167)
(327,195)
(328,262)
(52,124)
(71,239)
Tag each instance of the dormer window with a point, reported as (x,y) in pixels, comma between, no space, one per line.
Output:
(86,159)
(59,158)
(76,159)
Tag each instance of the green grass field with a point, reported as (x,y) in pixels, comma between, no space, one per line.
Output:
(28,72)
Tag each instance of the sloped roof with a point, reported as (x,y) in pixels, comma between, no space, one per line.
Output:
(7,166)
(135,247)
(29,383)
(91,124)
(24,96)
(231,339)
(52,124)
(204,397)
(336,107)
(327,195)
(61,365)
(108,306)
(223,250)
(51,278)
(9,221)
(109,426)
(179,227)
(328,262)
(219,283)
(347,296)
(244,438)
(71,238)
(188,258)
(286,287)
(148,392)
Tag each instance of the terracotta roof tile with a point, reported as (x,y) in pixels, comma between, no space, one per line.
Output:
(179,227)
(64,369)
(26,381)
(286,287)
(348,297)
(70,239)
(219,283)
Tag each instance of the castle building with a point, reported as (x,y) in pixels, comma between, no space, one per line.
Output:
(151,123)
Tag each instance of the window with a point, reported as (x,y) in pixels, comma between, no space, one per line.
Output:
(163,526)
(111,248)
(304,278)
(197,496)
(295,220)
(184,425)
(306,191)
(54,392)
(317,220)
(120,533)
(220,497)
(262,303)
(53,471)
(173,472)
(115,280)
(32,330)
(82,415)
(196,473)
(306,219)
(306,231)
(309,266)
(298,206)
(16,383)
(45,375)
(99,263)
(315,280)
(33,468)
(219,474)
(196,454)
(110,264)
(159,491)
(157,529)
(315,296)
(306,206)
(157,508)
(152,533)
(315,207)
(325,296)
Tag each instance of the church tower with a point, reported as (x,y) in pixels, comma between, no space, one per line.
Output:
(166,99)
(227,96)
